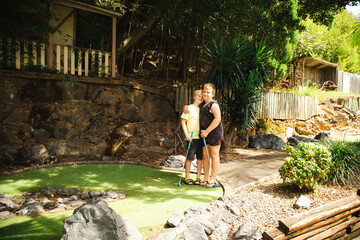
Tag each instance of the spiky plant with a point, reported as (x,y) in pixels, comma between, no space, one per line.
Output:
(238,69)
(345,158)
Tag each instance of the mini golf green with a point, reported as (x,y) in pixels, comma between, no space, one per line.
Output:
(152,195)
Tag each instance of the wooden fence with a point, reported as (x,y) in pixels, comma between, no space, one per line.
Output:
(353,103)
(273,105)
(336,220)
(66,59)
(348,82)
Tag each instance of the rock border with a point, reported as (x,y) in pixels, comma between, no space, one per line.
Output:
(51,199)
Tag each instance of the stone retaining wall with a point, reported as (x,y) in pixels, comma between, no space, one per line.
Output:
(48,118)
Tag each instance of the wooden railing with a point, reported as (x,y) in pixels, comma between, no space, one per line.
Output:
(336,220)
(65,59)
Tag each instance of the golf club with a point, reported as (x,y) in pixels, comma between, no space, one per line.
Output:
(179,183)
(207,153)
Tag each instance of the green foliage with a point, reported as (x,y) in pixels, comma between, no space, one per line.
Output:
(306,166)
(24,19)
(112,4)
(336,43)
(39,68)
(315,91)
(238,69)
(321,11)
(345,168)
(355,34)
(184,26)
(73,82)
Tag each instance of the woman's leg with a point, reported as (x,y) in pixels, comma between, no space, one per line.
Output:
(214,152)
(206,163)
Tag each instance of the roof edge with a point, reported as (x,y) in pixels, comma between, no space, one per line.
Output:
(88,7)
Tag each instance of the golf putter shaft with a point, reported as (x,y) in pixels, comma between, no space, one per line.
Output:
(207,153)
(186,155)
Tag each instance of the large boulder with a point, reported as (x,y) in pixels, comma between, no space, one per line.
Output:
(10,155)
(32,208)
(295,140)
(173,161)
(268,141)
(323,135)
(178,161)
(95,220)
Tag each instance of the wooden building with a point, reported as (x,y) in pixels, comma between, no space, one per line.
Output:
(310,70)
(60,51)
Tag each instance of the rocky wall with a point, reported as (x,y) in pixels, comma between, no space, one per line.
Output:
(46,118)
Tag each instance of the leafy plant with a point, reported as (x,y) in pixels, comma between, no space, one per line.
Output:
(238,68)
(73,82)
(306,166)
(39,68)
(345,156)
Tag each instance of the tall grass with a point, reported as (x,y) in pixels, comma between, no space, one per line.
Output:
(345,168)
(315,91)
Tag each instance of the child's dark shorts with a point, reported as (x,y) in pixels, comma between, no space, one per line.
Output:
(195,149)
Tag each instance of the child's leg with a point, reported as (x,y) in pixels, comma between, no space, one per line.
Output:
(199,156)
(187,169)
(199,168)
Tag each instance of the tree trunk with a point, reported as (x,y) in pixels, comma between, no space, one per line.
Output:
(229,134)
(138,33)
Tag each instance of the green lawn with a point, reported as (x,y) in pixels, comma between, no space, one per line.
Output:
(152,195)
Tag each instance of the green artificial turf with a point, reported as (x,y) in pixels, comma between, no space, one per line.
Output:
(152,195)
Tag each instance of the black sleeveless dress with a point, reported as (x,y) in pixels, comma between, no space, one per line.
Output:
(206,117)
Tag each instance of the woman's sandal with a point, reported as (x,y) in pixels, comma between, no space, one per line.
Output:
(188,182)
(198,181)
(212,185)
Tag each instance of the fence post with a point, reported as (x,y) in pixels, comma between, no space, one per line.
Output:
(66,60)
(106,65)
(72,61)
(34,53)
(100,64)
(42,54)
(26,53)
(86,63)
(79,63)
(58,57)
(17,55)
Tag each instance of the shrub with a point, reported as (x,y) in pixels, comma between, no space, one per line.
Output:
(305,166)
(345,157)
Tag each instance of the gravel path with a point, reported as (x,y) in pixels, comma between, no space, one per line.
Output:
(268,201)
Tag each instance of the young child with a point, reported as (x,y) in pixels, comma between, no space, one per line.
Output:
(190,123)
(211,128)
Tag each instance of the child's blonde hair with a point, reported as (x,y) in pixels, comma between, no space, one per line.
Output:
(197,92)
(210,85)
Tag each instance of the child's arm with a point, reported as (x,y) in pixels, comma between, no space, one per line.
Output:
(183,125)
(217,114)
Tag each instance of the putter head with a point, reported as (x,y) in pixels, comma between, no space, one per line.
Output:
(179,183)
